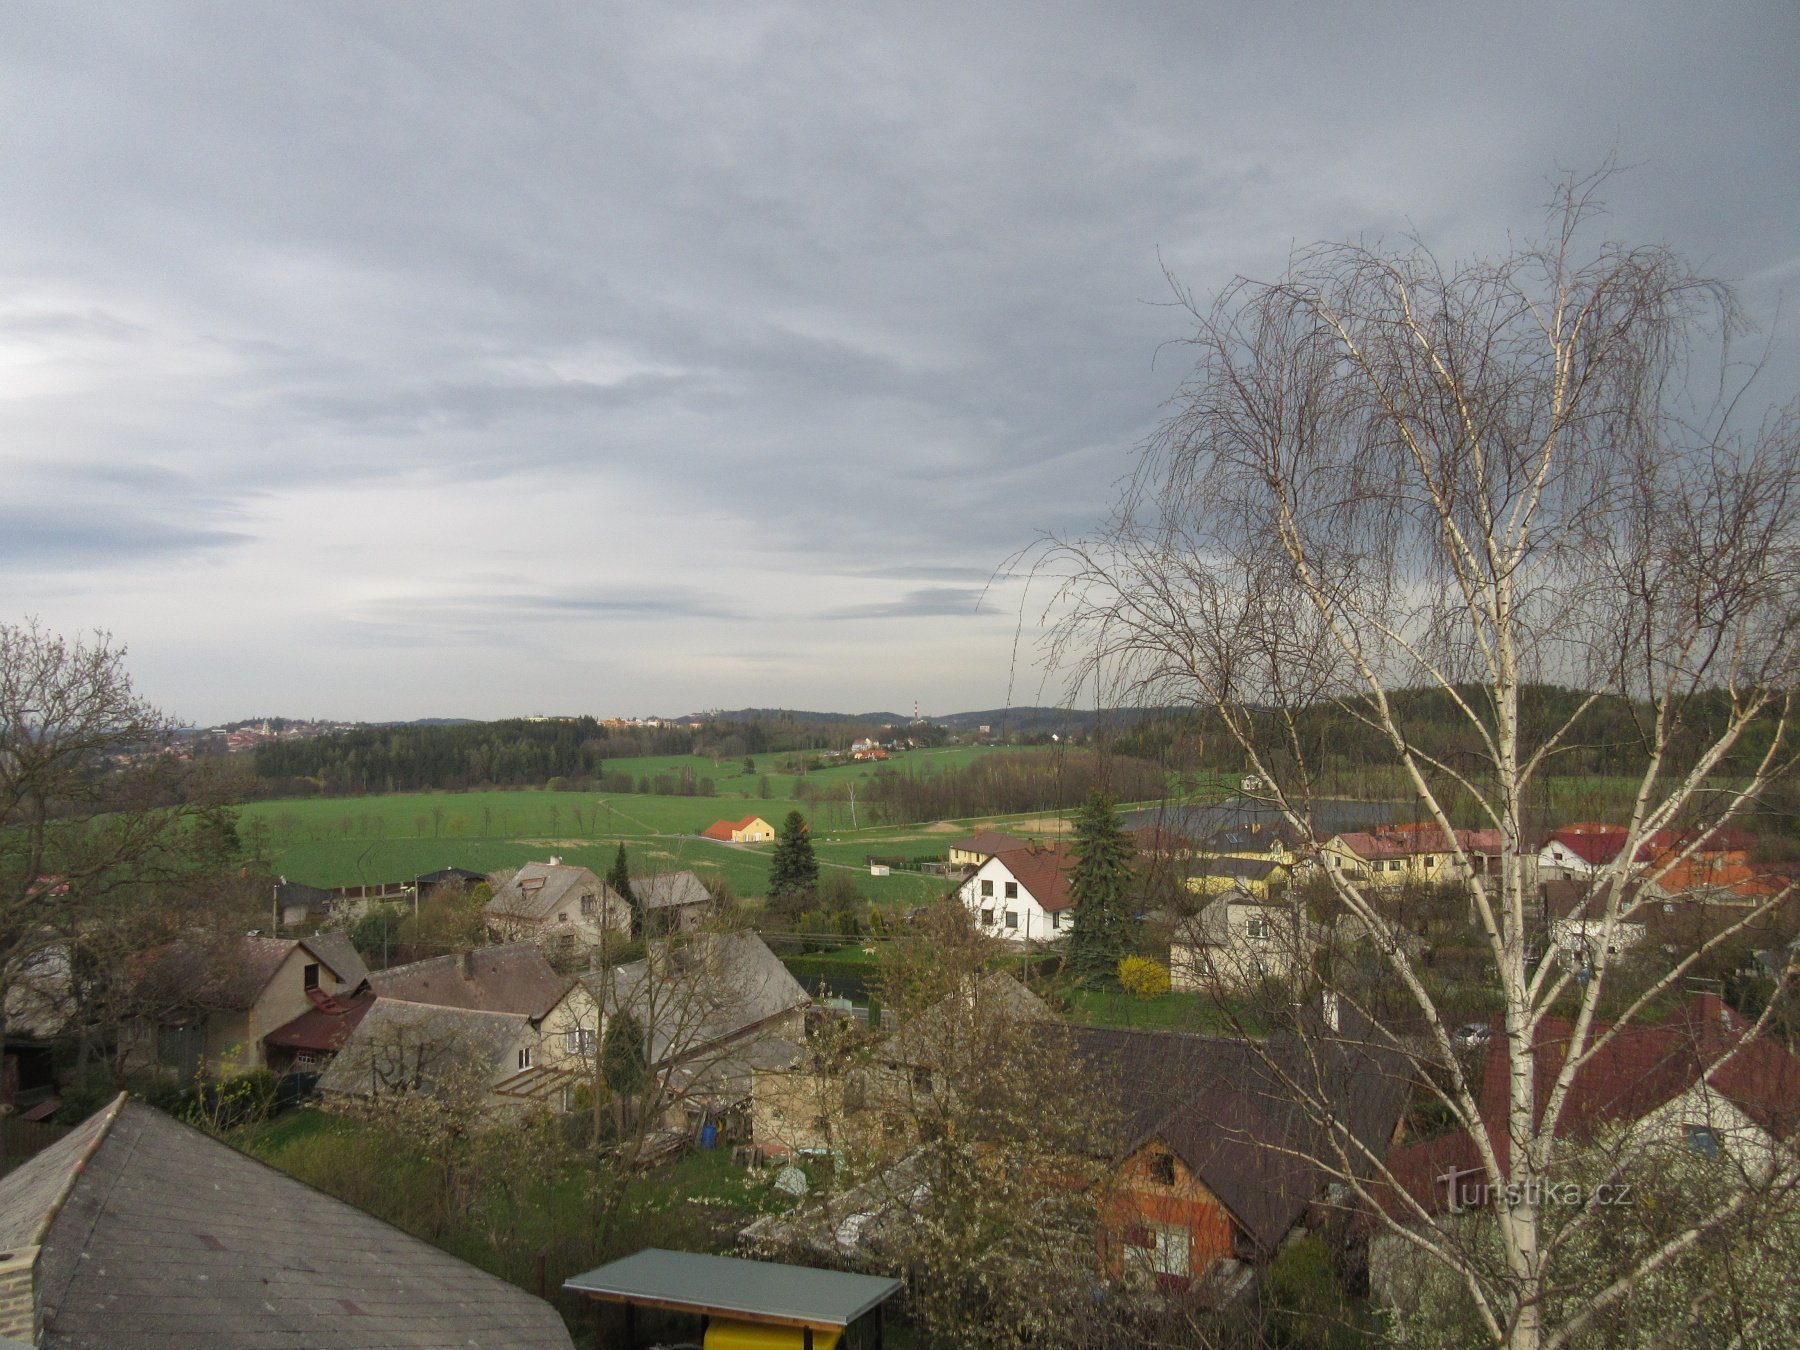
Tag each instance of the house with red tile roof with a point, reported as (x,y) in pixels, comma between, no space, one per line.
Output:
(1699,1080)
(1022,894)
(749,830)
(1393,855)
(1580,850)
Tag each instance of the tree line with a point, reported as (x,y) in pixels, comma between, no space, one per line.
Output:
(1008,783)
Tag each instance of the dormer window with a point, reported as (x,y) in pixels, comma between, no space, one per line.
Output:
(1162,1169)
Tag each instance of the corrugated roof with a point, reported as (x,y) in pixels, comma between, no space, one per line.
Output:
(166,1238)
(326,1027)
(728,1284)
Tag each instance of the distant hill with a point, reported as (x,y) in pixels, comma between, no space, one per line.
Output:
(797,715)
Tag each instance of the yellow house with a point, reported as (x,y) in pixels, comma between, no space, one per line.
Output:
(980,846)
(1215,874)
(1395,855)
(749,830)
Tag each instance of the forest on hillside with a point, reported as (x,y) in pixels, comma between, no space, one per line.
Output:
(522,753)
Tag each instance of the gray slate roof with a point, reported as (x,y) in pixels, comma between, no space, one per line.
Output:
(156,1236)
(1328,816)
(399,1046)
(336,951)
(692,995)
(537,889)
(514,978)
(670,890)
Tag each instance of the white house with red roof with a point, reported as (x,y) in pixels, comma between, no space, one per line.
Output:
(1580,850)
(1022,894)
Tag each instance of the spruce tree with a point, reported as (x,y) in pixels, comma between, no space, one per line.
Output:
(619,878)
(793,867)
(1100,886)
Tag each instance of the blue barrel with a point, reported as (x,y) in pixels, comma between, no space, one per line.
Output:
(709,1135)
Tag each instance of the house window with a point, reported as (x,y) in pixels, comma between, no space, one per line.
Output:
(987,918)
(525,1057)
(1012,890)
(987,889)
(1702,1140)
(579,1040)
(1258,928)
(306,1059)
(921,1079)
(1012,919)
(1056,919)
(566,943)
(1162,1169)
(568,1097)
(587,906)
(1430,860)
(310,976)
(563,916)
(1169,1251)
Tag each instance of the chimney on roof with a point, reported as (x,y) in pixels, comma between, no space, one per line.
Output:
(555,860)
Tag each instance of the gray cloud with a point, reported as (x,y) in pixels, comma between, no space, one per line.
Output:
(933,602)
(55,540)
(699,303)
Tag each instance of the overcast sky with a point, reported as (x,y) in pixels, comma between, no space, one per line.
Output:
(395,360)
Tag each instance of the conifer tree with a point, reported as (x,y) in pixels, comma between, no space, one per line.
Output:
(1100,886)
(619,878)
(793,868)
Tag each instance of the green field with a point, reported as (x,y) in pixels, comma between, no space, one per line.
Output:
(352,841)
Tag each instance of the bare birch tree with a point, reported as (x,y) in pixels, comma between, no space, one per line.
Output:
(1388,474)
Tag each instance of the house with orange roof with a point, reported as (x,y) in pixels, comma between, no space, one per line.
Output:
(749,830)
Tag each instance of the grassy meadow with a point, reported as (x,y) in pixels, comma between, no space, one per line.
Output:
(350,841)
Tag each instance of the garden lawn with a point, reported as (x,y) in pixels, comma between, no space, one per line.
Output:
(1167,1012)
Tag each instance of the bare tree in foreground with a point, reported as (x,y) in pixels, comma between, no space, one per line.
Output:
(1387,475)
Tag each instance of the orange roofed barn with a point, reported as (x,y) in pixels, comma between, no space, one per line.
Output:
(749,830)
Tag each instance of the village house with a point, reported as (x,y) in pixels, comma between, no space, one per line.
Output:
(672,902)
(1226,1147)
(400,1047)
(1583,849)
(1700,1080)
(563,909)
(513,978)
(1022,894)
(979,847)
(713,1008)
(1218,875)
(137,1230)
(1417,853)
(216,1001)
(749,830)
(1239,940)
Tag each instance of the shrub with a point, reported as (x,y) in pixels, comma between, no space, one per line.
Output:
(1143,976)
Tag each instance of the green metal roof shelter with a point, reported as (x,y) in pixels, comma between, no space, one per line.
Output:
(744,1302)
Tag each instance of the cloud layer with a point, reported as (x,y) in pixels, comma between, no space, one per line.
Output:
(475,360)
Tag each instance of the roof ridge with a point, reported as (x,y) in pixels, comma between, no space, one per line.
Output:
(80,1165)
